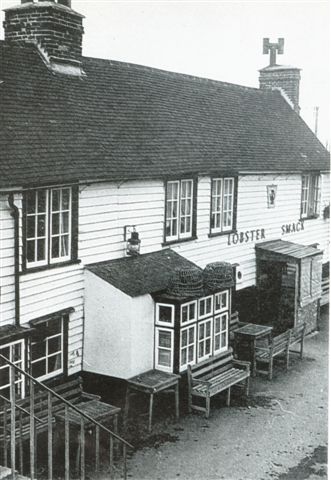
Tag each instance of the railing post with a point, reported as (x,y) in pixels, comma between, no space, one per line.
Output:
(12,423)
(66,444)
(82,448)
(50,436)
(32,432)
(125,470)
(111,454)
(97,448)
(20,442)
(5,446)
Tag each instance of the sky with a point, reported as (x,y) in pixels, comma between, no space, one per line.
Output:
(220,39)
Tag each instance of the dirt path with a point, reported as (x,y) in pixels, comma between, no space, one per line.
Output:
(279,433)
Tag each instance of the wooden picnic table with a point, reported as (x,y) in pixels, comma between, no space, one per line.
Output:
(248,335)
(152,382)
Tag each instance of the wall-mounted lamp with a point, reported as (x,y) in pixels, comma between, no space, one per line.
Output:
(131,237)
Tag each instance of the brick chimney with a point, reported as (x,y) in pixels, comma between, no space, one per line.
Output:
(53,26)
(280,77)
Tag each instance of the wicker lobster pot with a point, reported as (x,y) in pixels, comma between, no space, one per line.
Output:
(186,282)
(218,275)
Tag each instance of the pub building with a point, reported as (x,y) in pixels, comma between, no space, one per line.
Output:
(141,208)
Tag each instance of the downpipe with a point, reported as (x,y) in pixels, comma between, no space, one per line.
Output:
(14,212)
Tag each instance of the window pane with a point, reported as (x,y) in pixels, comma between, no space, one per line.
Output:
(40,250)
(184,338)
(192,311)
(65,223)
(183,357)
(41,201)
(201,331)
(55,200)
(54,363)
(30,251)
(54,345)
(184,314)
(31,202)
(30,227)
(223,339)
(64,245)
(191,353)
(165,313)
(191,335)
(55,247)
(165,339)
(39,369)
(4,377)
(41,231)
(66,199)
(55,223)
(164,358)
(38,350)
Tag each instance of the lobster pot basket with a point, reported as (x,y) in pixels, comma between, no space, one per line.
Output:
(218,275)
(186,282)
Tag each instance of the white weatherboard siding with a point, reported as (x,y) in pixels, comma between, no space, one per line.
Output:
(41,293)
(106,208)
(119,330)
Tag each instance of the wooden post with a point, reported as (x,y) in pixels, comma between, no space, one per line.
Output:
(12,423)
(127,405)
(97,448)
(125,470)
(228,397)
(66,444)
(82,448)
(111,455)
(5,447)
(177,400)
(20,442)
(50,436)
(32,432)
(151,398)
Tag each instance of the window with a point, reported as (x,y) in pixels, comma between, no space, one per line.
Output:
(205,306)
(179,210)
(48,226)
(165,314)
(187,346)
(221,333)
(14,352)
(164,349)
(188,312)
(310,196)
(222,205)
(221,301)
(47,350)
(204,339)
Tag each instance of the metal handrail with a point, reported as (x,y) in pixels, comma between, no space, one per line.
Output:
(66,402)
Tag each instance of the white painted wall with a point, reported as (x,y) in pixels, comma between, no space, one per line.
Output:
(119,330)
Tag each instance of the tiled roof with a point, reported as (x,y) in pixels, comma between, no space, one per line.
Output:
(148,273)
(124,121)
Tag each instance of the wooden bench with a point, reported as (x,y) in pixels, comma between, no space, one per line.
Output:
(297,336)
(71,391)
(213,376)
(279,346)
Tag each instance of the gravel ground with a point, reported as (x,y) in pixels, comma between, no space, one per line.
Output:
(280,432)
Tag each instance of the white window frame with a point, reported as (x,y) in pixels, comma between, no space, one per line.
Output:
(49,236)
(311,186)
(224,309)
(218,211)
(157,347)
(187,305)
(183,367)
(61,234)
(179,216)
(157,315)
(60,371)
(204,323)
(226,331)
(209,313)
(20,363)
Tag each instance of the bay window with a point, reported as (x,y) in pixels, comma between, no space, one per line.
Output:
(48,226)
(179,221)
(222,204)
(310,195)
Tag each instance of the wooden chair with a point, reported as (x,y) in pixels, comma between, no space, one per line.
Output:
(279,346)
